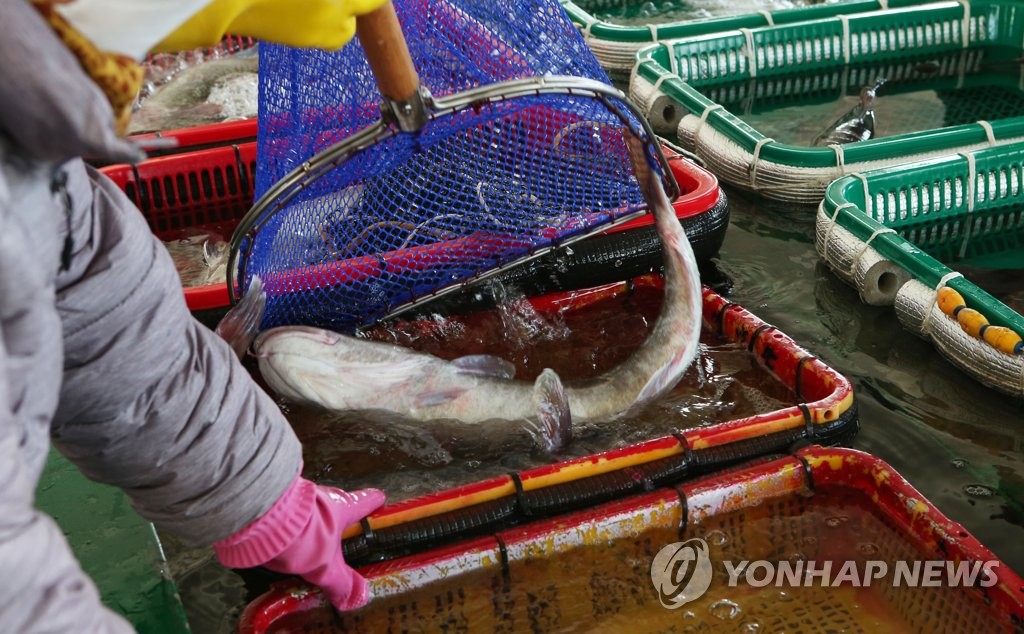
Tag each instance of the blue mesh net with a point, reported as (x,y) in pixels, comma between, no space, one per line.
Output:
(476,189)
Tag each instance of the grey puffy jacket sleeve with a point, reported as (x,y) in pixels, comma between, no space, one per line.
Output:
(42,588)
(102,357)
(152,401)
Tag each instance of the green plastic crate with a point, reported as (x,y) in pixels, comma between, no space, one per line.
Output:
(616,45)
(683,86)
(884,232)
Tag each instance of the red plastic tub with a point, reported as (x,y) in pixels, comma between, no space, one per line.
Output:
(823,412)
(214,186)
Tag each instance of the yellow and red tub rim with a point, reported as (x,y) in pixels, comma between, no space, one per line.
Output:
(995,606)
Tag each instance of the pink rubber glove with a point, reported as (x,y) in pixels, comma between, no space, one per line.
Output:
(301,535)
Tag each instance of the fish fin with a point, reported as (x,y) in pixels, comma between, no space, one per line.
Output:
(430,399)
(552,411)
(485,365)
(241,324)
(857,124)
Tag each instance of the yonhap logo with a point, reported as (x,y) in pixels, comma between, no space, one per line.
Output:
(681,572)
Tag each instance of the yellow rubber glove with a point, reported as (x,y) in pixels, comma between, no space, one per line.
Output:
(327,24)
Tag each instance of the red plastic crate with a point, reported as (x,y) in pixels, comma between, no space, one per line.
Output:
(192,189)
(901,525)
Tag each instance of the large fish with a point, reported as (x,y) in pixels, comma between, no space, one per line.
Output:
(212,91)
(857,124)
(339,372)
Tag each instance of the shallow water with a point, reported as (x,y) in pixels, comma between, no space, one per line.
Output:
(407,458)
(919,94)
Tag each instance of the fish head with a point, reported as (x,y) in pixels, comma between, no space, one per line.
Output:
(869,92)
(337,371)
(294,362)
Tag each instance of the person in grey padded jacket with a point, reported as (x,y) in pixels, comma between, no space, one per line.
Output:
(99,355)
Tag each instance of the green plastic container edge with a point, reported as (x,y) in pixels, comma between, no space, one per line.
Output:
(847,195)
(611,32)
(652,63)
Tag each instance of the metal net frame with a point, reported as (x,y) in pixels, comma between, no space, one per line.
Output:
(378,219)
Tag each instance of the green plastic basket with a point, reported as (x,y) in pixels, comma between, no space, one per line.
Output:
(616,45)
(879,231)
(684,85)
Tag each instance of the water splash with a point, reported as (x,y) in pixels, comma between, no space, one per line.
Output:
(717,538)
(979,491)
(724,609)
(836,521)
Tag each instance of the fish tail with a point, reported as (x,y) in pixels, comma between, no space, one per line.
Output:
(240,326)
(553,413)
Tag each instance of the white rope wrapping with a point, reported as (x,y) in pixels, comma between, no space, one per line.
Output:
(840,155)
(883,4)
(927,322)
(661,78)
(846,38)
(636,66)
(868,203)
(988,132)
(965,35)
(834,219)
(653,28)
(864,247)
(972,174)
(757,159)
(673,63)
(952,275)
(767,15)
(703,120)
(751,53)
(591,21)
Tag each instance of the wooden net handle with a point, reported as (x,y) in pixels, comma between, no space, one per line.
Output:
(381,36)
